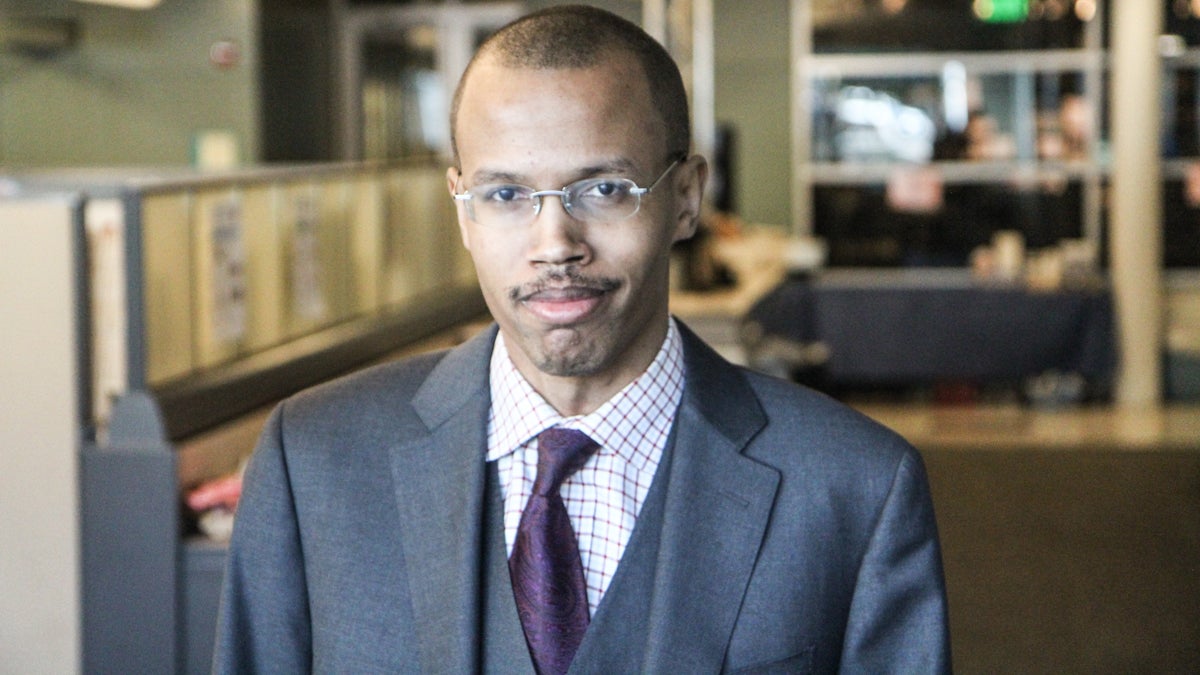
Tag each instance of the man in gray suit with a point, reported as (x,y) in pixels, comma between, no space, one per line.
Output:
(716,520)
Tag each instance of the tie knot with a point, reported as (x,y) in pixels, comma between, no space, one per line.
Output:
(561,452)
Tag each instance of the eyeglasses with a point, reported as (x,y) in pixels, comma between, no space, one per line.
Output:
(597,200)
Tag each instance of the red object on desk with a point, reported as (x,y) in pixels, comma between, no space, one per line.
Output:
(222,492)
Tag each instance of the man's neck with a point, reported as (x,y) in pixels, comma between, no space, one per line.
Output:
(571,396)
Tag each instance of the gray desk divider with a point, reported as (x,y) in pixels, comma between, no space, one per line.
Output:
(130,529)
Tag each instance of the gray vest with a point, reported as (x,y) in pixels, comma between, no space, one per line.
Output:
(616,639)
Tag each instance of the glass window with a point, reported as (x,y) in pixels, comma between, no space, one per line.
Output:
(949,25)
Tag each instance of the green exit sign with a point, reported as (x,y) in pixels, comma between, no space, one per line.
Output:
(1002,11)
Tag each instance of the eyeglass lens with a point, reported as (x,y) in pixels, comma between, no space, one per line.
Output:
(597,199)
(592,199)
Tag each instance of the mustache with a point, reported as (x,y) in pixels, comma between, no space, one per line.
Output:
(558,279)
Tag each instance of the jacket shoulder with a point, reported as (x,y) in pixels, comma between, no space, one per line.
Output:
(389,380)
(782,418)
(810,421)
(376,397)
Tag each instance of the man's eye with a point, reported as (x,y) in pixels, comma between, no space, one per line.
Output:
(605,189)
(503,193)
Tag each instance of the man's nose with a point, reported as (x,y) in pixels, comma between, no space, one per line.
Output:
(558,238)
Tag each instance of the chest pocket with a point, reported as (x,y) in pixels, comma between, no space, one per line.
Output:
(799,663)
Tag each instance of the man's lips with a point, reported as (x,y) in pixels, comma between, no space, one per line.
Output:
(566,305)
(563,297)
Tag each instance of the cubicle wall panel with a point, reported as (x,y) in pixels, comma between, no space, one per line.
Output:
(104,221)
(334,248)
(40,401)
(130,559)
(167,290)
(306,303)
(265,321)
(366,211)
(422,233)
(401,266)
(197,281)
(219,285)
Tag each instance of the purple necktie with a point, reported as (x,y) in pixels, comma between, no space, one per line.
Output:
(547,574)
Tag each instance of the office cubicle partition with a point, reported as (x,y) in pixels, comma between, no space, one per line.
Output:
(41,404)
(207,297)
(280,277)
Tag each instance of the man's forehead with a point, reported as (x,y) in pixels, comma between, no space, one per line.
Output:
(510,109)
(492,87)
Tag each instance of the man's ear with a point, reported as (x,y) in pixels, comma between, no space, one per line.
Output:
(452,176)
(690,179)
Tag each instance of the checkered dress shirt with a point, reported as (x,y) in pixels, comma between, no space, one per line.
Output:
(604,497)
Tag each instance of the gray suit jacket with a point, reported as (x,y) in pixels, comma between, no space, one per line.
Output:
(784,533)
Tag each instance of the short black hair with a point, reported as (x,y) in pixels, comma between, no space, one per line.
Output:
(580,36)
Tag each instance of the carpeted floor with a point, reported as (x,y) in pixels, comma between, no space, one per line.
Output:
(1082,561)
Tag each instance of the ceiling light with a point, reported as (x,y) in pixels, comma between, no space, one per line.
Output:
(128,4)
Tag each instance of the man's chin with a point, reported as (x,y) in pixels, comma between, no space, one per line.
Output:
(568,365)
(564,353)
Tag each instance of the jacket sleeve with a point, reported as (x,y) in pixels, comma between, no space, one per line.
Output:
(898,618)
(264,624)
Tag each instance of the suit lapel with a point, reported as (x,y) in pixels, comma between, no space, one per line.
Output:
(440,484)
(718,505)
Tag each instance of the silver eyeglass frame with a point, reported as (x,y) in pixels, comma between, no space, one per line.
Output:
(564,193)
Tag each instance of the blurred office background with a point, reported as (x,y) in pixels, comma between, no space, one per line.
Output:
(977,221)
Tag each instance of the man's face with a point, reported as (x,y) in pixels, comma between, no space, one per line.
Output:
(574,298)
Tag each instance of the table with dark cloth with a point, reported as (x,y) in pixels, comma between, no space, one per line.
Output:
(914,326)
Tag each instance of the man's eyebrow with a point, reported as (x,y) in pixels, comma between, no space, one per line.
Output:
(485,176)
(618,166)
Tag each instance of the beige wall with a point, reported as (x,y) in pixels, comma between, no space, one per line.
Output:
(135,87)
(138,85)
(751,44)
